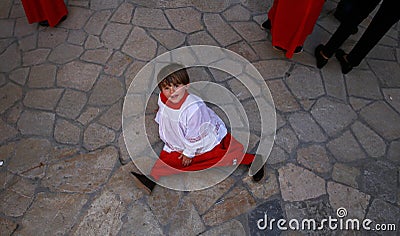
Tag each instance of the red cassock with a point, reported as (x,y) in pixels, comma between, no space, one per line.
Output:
(224,154)
(292,21)
(42,10)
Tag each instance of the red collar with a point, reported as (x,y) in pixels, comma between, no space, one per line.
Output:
(169,104)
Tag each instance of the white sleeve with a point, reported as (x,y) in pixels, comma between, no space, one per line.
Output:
(198,130)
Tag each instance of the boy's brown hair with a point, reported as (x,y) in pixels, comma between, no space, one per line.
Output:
(174,74)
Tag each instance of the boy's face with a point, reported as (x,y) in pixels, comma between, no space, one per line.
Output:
(174,93)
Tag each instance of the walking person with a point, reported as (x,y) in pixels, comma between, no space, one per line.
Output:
(387,15)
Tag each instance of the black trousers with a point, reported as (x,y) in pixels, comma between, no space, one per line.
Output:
(387,15)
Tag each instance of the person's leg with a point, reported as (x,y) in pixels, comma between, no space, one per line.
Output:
(385,18)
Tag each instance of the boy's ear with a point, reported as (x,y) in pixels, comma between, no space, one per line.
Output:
(187,86)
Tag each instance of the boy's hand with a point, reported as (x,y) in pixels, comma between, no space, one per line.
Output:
(185,160)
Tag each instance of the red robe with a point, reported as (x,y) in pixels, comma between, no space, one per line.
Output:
(42,10)
(292,21)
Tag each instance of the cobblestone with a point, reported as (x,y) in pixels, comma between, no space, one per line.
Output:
(65,166)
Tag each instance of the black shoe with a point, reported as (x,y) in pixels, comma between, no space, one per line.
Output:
(259,175)
(278,48)
(266,25)
(44,23)
(143,182)
(299,49)
(321,59)
(344,64)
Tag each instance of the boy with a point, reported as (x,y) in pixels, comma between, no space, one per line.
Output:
(195,137)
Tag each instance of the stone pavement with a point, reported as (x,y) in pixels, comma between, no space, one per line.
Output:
(65,168)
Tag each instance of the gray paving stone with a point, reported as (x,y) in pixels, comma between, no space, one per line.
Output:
(97,21)
(243,49)
(123,14)
(383,52)
(22,28)
(42,76)
(386,71)
(18,197)
(371,142)
(35,57)
(98,56)
(229,208)
(286,139)
(112,117)
(220,30)
(3,80)
(17,10)
(97,221)
(253,116)
(36,123)
(79,3)
(358,103)
(306,128)
(201,38)
(186,20)
(170,39)
(332,116)
(265,188)
(117,64)
(10,93)
(333,81)
(10,58)
(93,42)
(5,7)
(237,13)
(379,179)
(66,132)
(131,72)
(124,155)
(233,227)
(12,116)
(52,213)
(6,28)
(51,37)
(277,155)
(205,6)
(345,148)
(28,43)
(150,18)
(164,203)
(4,43)
(283,99)
(77,18)
(346,174)
(28,157)
(392,96)
(363,84)
(264,50)
(186,221)
(84,173)
(64,53)
(77,37)
(299,184)
(45,99)
(354,201)
(257,217)
(250,31)
(78,75)
(107,91)
(381,212)
(140,220)
(317,210)
(96,136)
(272,69)
(139,45)
(373,113)
(115,34)
(314,158)
(71,104)
(305,83)
(7,226)
(394,152)
(89,114)
(19,76)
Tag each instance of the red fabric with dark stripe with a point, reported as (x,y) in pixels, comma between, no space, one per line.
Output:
(292,21)
(220,155)
(41,10)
